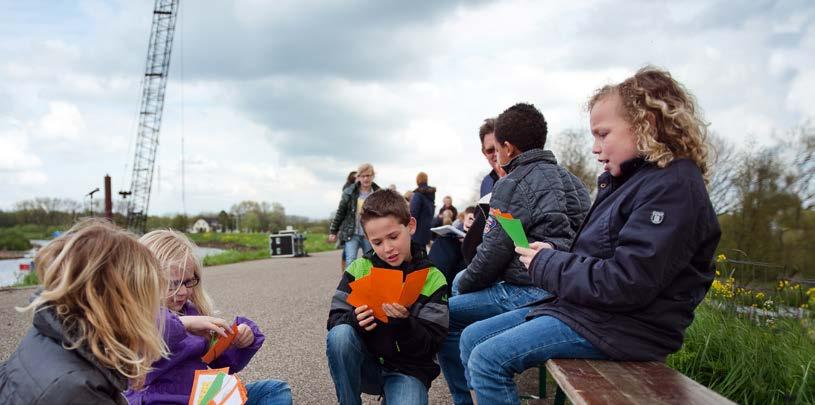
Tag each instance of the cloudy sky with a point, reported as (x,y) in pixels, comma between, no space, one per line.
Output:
(279,100)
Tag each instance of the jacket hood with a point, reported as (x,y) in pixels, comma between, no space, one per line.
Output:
(48,323)
(427,191)
(532,155)
(418,260)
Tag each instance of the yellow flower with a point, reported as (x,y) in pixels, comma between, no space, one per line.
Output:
(720,258)
(760,296)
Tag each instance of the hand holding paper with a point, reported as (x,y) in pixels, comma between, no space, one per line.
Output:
(218,345)
(384,286)
(217,387)
(513,227)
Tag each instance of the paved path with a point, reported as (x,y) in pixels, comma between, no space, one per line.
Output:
(289,300)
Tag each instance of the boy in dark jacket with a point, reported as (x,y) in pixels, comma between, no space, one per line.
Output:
(394,359)
(549,201)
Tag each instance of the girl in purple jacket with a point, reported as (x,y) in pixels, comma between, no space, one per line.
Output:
(188,325)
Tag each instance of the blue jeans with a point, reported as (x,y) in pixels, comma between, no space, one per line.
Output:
(353,245)
(355,371)
(496,349)
(268,392)
(466,309)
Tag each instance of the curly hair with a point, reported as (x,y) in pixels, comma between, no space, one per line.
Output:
(107,290)
(664,117)
(523,126)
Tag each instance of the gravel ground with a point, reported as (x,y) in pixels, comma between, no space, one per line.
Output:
(289,300)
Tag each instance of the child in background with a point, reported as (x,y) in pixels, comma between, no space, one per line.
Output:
(394,359)
(188,323)
(94,321)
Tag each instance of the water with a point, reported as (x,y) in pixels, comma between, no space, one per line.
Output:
(9,268)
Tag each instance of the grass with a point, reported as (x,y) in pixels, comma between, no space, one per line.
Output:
(11,239)
(32,231)
(30,279)
(241,247)
(771,361)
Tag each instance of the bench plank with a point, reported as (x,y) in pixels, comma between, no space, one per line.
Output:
(592,382)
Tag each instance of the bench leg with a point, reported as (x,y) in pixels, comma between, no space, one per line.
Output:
(542,381)
(560,397)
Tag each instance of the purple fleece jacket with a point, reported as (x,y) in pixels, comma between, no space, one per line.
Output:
(170,382)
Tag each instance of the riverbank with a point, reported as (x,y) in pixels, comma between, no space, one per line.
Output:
(241,247)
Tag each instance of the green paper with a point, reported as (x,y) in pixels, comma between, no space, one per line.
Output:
(213,389)
(515,230)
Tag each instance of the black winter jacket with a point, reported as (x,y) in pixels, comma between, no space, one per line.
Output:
(550,202)
(408,346)
(41,371)
(640,264)
(345,219)
(422,207)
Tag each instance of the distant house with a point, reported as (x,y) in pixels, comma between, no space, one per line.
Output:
(202,225)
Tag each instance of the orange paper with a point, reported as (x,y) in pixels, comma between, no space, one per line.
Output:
(385,286)
(496,212)
(221,344)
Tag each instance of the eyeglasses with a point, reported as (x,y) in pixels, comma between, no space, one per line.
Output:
(189,283)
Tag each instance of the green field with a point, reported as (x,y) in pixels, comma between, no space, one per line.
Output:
(241,247)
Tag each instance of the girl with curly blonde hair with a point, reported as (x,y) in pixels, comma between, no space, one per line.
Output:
(95,320)
(641,262)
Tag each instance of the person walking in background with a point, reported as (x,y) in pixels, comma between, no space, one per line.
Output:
(422,207)
(350,180)
(346,226)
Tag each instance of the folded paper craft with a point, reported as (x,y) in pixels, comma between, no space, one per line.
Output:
(513,227)
(383,286)
(216,387)
(219,344)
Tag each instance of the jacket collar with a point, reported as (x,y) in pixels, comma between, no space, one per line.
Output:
(354,188)
(627,169)
(532,155)
(48,323)
(418,260)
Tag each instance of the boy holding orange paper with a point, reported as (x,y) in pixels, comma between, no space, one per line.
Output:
(389,314)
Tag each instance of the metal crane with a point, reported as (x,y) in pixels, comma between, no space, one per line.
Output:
(154,84)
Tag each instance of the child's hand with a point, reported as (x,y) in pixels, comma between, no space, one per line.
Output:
(204,325)
(244,338)
(526,255)
(395,310)
(365,317)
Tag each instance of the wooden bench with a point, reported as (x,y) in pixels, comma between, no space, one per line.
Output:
(609,382)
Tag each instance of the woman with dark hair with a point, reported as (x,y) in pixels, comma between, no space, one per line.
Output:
(422,207)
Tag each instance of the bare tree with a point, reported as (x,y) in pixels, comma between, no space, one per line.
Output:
(725,162)
(574,153)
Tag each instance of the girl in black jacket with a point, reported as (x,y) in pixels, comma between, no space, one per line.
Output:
(641,262)
(95,323)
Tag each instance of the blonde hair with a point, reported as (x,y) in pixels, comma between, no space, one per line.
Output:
(174,249)
(663,115)
(108,292)
(365,167)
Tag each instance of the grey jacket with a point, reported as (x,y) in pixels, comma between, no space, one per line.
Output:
(345,219)
(41,371)
(550,202)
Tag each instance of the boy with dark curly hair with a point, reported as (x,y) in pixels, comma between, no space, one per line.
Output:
(549,201)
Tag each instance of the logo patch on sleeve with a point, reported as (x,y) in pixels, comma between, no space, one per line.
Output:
(657,217)
(491,222)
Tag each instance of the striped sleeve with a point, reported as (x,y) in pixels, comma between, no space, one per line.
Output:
(426,328)
(341,311)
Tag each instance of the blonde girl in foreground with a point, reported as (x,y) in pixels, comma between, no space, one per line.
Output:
(94,324)
(188,322)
